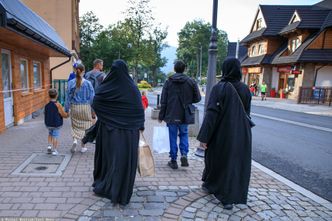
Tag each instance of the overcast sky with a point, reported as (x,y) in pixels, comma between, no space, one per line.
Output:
(234,16)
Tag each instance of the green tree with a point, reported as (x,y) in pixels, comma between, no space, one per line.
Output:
(195,36)
(146,44)
(135,39)
(89,31)
(155,46)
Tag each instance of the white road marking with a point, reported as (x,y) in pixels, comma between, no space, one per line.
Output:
(293,122)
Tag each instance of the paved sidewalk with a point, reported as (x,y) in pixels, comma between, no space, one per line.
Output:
(170,195)
(291,105)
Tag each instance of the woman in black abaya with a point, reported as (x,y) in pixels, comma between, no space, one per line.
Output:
(226,135)
(118,106)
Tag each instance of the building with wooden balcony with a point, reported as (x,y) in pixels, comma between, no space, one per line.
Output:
(290,47)
(26,44)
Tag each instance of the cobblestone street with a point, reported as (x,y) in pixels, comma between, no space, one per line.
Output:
(170,195)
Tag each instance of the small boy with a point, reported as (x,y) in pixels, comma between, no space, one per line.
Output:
(54,114)
(145,101)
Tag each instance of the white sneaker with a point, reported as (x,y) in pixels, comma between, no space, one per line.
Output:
(49,149)
(55,152)
(73,148)
(84,149)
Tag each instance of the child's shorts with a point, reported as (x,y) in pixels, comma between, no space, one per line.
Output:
(54,131)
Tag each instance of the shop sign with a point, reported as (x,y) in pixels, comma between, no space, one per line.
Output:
(296,72)
(244,70)
(255,70)
(284,69)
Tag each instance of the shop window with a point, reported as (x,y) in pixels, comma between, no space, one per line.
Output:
(290,83)
(37,78)
(24,73)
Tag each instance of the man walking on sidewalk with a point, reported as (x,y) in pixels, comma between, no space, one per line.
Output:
(178,95)
(96,76)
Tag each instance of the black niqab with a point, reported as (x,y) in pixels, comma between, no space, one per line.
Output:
(117,101)
(227,133)
(118,105)
(231,70)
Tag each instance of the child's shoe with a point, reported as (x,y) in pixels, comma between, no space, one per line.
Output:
(49,149)
(84,149)
(55,152)
(73,148)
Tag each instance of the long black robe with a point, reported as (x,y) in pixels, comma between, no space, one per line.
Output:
(227,133)
(120,113)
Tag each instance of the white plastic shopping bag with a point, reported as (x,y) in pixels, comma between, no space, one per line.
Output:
(160,140)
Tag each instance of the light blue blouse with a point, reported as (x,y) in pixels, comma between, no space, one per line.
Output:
(82,95)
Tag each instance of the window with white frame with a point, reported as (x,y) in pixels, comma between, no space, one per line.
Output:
(253,50)
(259,24)
(37,78)
(24,73)
(260,49)
(295,43)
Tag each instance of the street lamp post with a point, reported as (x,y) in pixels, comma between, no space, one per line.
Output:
(200,66)
(212,64)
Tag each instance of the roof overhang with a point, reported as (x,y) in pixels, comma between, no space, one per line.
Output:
(24,42)
(14,24)
(2,16)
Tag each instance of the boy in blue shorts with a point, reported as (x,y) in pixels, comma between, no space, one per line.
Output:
(54,114)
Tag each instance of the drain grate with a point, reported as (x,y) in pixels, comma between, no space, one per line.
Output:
(41,168)
(43,165)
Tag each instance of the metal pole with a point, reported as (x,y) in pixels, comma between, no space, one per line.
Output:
(200,67)
(237,49)
(158,101)
(212,63)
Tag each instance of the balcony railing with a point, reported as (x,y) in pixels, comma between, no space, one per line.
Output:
(315,95)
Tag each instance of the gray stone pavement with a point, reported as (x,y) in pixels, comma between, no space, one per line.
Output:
(170,195)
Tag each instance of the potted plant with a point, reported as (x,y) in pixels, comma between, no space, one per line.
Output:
(273,92)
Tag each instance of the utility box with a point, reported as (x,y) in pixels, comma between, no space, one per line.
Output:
(155,113)
(194,128)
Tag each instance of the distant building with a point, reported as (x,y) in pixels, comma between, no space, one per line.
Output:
(26,43)
(236,50)
(290,47)
(63,16)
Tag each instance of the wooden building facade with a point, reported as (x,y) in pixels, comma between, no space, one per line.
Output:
(290,47)
(26,43)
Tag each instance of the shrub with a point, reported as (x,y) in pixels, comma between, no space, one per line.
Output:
(144,85)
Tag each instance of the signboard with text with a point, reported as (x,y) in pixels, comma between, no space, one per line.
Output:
(284,69)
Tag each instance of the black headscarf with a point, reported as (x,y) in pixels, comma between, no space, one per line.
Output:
(118,102)
(231,70)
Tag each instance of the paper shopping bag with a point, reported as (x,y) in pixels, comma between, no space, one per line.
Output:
(146,165)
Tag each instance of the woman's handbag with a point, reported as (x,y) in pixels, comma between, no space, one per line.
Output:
(146,165)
